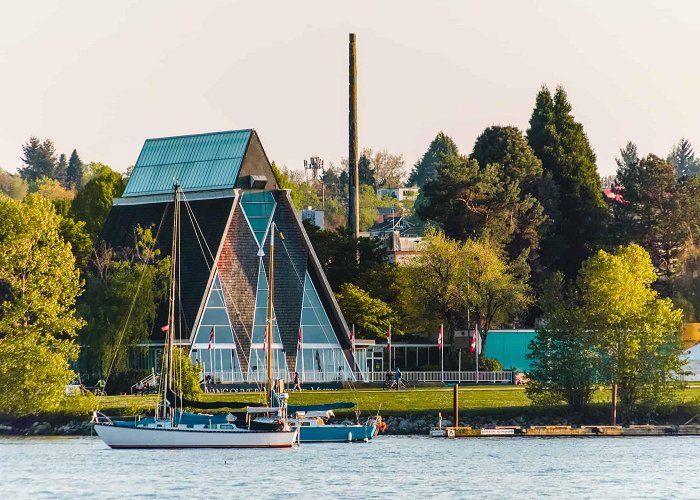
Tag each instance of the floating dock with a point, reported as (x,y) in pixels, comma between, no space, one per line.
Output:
(568,431)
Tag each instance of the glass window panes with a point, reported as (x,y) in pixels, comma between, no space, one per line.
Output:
(315,326)
(260,319)
(258,209)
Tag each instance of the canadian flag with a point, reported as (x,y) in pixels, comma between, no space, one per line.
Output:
(211,338)
(165,328)
(476,340)
(299,341)
(388,339)
(352,339)
(440,338)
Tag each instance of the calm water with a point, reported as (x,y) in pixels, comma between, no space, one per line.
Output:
(409,467)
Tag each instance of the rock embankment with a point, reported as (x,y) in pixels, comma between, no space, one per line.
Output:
(43,428)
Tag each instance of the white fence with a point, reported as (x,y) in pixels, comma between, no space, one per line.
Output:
(481,377)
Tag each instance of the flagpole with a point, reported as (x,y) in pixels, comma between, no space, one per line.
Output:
(476,351)
(442,354)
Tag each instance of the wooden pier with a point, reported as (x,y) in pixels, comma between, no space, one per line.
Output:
(568,431)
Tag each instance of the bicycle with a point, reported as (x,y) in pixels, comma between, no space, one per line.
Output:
(400,385)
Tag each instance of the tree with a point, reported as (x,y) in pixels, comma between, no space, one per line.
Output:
(39,285)
(39,159)
(467,201)
(426,168)
(563,367)
(94,201)
(13,185)
(629,158)
(74,233)
(449,280)
(635,331)
(186,375)
(50,189)
(658,212)
(60,171)
(682,157)
(370,315)
(383,170)
(124,287)
(364,169)
(560,142)
(74,172)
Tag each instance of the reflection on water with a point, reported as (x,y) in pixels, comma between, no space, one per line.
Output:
(412,467)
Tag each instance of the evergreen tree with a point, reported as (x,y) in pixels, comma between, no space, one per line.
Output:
(39,159)
(682,156)
(364,167)
(629,158)
(562,145)
(425,169)
(74,172)
(60,170)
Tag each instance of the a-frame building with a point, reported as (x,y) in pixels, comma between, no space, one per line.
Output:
(230,196)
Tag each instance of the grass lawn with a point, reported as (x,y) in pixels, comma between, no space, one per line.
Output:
(481,400)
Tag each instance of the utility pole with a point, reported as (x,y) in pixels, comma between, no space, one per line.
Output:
(353,171)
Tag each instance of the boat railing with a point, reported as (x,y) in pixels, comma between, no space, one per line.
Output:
(100,418)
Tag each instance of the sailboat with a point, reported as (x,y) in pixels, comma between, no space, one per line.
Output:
(171,428)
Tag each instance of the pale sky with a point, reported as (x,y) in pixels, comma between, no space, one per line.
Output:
(103,76)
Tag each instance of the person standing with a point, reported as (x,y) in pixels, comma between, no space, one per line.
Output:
(397,377)
(297,386)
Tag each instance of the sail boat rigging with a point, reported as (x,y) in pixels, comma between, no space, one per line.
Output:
(176,429)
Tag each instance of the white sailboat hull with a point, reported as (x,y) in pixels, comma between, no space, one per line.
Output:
(145,437)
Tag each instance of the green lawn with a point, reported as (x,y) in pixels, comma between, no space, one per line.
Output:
(511,400)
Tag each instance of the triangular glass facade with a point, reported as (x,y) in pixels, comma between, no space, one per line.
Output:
(258,208)
(220,357)
(258,360)
(321,359)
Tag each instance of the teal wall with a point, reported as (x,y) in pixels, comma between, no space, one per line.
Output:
(510,348)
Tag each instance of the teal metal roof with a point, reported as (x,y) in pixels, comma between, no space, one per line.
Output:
(198,162)
(510,347)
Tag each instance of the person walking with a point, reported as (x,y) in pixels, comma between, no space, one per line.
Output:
(397,377)
(297,386)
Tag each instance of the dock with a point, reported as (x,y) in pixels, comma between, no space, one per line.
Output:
(567,431)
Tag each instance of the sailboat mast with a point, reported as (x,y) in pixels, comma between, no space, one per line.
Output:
(171,301)
(268,339)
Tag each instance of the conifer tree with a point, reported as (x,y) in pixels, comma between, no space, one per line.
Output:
(682,157)
(59,173)
(425,169)
(74,172)
(562,145)
(39,159)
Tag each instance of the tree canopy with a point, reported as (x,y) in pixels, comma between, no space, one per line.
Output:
(426,168)
(93,202)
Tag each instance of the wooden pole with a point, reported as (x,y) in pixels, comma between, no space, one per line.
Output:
(455,403)
(613,418)
(353,170)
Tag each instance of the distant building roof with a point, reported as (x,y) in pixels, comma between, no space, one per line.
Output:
(391,224)
(198,162)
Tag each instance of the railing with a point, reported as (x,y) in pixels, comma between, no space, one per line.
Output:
(313,377)
(146,383)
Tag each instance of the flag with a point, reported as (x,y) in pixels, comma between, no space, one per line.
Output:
(479,341)
(440,338)
(352,339)
(265,340)
(473,345)
(211,338)
(165,328)
(388,339)
(299,341)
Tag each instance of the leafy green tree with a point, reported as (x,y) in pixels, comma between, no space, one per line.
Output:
(563,367)
(39,159)
(51,189)
(38,288)
(426,168)
(123,290)
(94,201)
(560,142)
(13,185)
(32,374)
(74,172)
(74,233)
(682,157)
(371,316)
(449,280)
(628,324)
(186,375)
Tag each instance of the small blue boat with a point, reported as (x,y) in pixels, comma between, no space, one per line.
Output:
(315,429)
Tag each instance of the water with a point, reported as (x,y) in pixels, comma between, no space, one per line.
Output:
(389,467)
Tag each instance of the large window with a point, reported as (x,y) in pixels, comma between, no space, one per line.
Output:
(214,345)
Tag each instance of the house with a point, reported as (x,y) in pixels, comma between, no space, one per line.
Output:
(230,197)
(400,193)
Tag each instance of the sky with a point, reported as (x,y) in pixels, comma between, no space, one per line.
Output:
(101,77)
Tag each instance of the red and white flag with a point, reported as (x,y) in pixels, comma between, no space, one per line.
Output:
(299,341)
(165,328)
(388,339)
(211,338)
(476,340)
(352,339)
(440,338)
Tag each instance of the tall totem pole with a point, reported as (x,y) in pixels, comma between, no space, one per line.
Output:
(353,172)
